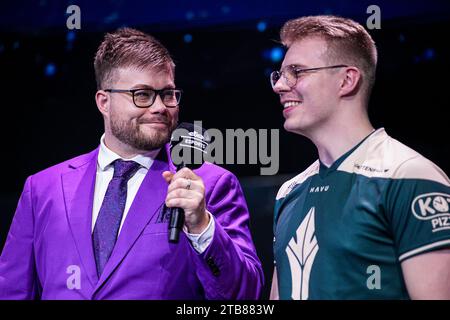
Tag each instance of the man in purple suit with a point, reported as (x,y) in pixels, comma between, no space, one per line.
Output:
(95,226)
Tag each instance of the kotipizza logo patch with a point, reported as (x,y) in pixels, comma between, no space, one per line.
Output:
(435,207)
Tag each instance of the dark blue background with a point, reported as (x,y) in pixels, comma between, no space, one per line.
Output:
(224,51)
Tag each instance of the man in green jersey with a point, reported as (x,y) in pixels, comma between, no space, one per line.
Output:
(370,219)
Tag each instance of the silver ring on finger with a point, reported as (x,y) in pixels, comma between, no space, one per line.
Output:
(188,186)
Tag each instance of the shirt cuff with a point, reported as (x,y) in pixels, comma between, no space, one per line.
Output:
(201,241)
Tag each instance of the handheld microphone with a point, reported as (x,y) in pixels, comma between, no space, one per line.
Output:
(188,146)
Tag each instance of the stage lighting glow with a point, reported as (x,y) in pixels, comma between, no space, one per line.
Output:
(70,36)
(50,69)
(261,26)
(187,38)
(190,15)
(429,54)
(276,54)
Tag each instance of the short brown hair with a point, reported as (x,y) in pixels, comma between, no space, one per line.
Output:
(128,47)
(348,42)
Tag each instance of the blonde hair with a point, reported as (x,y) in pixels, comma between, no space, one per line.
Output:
(348,42)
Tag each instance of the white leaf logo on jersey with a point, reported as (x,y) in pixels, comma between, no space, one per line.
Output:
(301,255)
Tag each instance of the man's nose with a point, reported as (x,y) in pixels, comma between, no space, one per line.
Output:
(281,86)
(158,106)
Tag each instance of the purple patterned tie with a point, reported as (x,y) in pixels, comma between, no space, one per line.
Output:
(110,215)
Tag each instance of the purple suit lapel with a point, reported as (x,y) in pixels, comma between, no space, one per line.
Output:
(146,204)
(78,188)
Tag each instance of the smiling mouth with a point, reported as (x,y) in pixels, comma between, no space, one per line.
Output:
(291,104)
(156,122)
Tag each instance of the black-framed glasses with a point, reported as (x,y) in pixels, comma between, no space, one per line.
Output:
(291,73)
(144,98)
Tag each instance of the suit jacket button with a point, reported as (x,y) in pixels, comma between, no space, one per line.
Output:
(212,266)
(216,272)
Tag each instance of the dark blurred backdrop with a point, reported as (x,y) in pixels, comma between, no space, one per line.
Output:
(224,51)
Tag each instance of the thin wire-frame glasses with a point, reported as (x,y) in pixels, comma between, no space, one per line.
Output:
(291,73)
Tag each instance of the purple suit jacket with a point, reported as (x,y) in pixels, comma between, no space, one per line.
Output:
(49,255)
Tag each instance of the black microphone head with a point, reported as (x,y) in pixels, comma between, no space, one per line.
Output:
(189,145)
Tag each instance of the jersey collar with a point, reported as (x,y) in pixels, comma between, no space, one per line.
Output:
(325,171)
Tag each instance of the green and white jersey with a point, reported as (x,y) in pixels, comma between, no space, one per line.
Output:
(342,232)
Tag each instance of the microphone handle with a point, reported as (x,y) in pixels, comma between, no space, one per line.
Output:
(176,219)
(176,224)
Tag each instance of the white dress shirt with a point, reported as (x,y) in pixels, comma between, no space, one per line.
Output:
(105,171)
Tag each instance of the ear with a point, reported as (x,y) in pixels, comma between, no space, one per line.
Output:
(103,102)
(351,81)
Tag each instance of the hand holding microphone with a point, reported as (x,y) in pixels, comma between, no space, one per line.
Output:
(186,191)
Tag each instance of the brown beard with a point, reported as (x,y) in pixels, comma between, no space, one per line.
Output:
(128,132)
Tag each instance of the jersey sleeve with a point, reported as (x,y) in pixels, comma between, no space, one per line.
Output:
(417,207)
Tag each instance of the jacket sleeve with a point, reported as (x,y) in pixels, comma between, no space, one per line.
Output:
(229,268)
(18,279)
